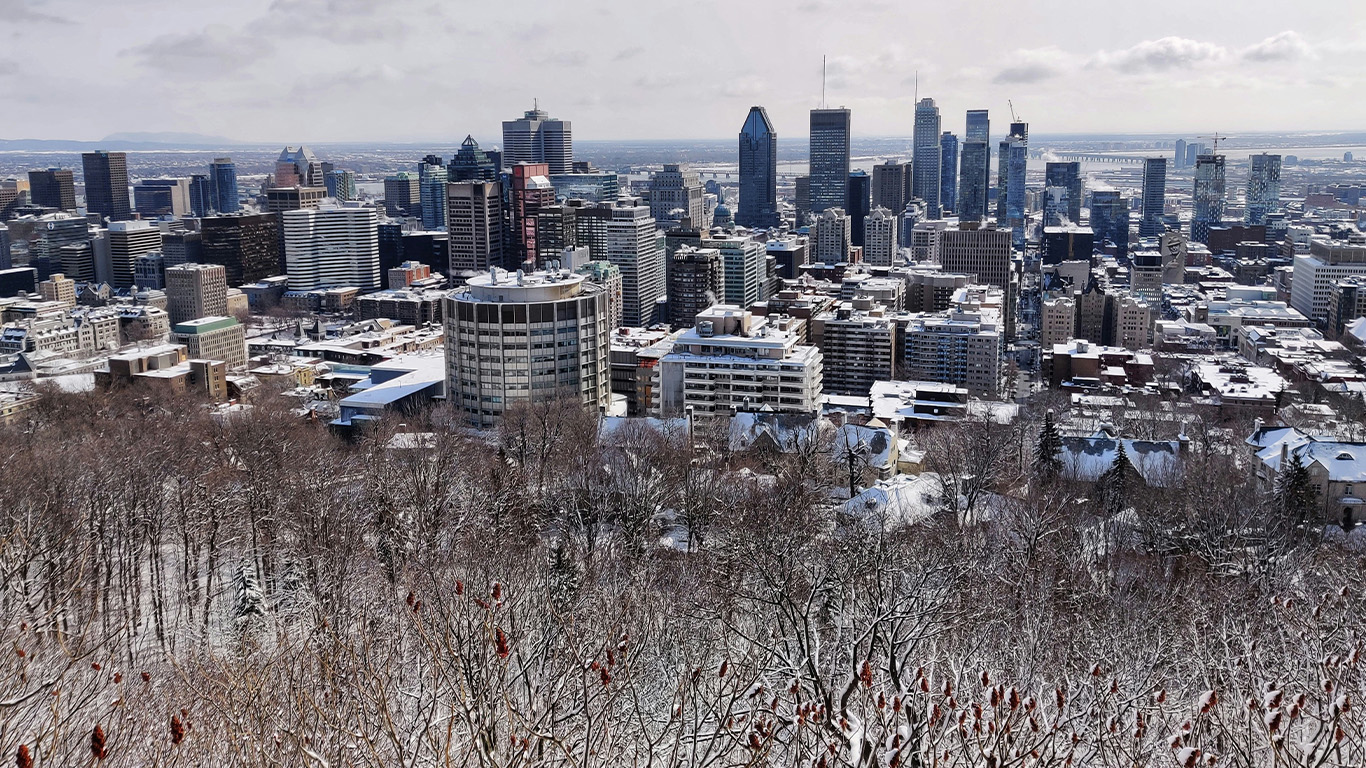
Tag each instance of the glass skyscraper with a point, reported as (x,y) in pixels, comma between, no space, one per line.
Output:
(1062,194)
(1208,196)
(201,195)
(223,186)
(926,160)
(948,171)
(829,158)
(432,192)
(106,185)
(974,178)
(1154,196)
(1110,220)
(758,205)
(1263,187)
(1012,164)
(857,204)
(471,163)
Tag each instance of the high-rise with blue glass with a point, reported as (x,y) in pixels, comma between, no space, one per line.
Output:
(926,160)
(1208,196)
(223,186)
(758,205)
(431,174)
(1110,220)
(1154,196)
(948,171)
(1062,194)
(974,178)
(829,158)
(1012,162)
(1263,187)
(857,204)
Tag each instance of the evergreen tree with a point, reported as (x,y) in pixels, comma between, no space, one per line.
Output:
(1047,462)
(1114,483)
(249,609)
(1294,491)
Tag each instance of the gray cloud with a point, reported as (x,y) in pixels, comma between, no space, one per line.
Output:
(216,48)
(628,53)
(1286,46)
(21,11)
(1161,55)
(1026,73)
(1034,65)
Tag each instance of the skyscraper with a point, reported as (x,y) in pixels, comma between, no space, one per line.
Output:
(127,241)
(403,194)
(948,171)
(758,206)
(829,158)
(978,126)
(332,247)
(223,186)
(1208,196)
(474,219)
(106,186)
(696,281)
(1012,164)
(431,180)
(200,195)
(974,178)
(880,238)
(856,205)
(539,138)
(676,192)
(531,192)
(53,188)
(1110,220)
(298,167)
(1180,155)
(247,245)
(624,233)
(471,163)
(1154,196)
(830,237)
(342,185)
(890,185)
(926,160)
(1062,194)
(1263,187)
(196,290)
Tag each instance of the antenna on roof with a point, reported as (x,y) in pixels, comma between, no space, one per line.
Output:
(916,97)
(822,82)
(535,104)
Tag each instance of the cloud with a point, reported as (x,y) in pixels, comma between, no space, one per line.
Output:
(15,11)
(8,67)
(1160,55)
(628,53)
(564,59)
(337,21)
(746,87)
(1287,46)
(1033,66)
(216,48)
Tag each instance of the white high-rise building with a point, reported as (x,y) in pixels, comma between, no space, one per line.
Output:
(127,241)
(1328,260)
(526,338)
(732,360)
(624,234)
(332,247)
(742,260)
(879,238)
(832,236)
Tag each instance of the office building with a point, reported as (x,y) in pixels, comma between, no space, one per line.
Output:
(281,199)
(213,338)
(829,159)
(1327,262)
(675,194)
(606,276)
(758,205)
(831,237)
(246,244)
(298,167)
(973,181)
(59,288)
(332,247)
(927,160)
(471,163)
(801,192)
(959,348)
(1179,156)
(223,197)
(590,186)
(624,234)
(157,198)
(697,280)
(1263,187)
(948,170)
(106,186)
(200,195)
(149,272)
(530,192)
(857,204)
(1071,242)
(127,241)
(742,260)
(341,185)
(1154,196)
(431,180)
(1062,194)
(555,231)
(1346,302)
(194,291)
(891,184)
(733,361)
(529,338)
(1110,220)
(539,138)
(403,195)
(880,238)
(1012,164)
(858,343)
(6,257)
(984,252)
(1208,196)
(53,188)
(474,211)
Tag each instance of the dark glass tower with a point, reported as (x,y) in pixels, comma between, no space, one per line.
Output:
(1012,163)
(1110,220)
(471,163)
(1208,196)
(106,184)
(223,186)
(948,171)
(926,160)
(53,188)
(1062,194)
(857,204)
(1154,196)
(974,178)
(200,195)
(758,205)
(829,158)
(1263,187)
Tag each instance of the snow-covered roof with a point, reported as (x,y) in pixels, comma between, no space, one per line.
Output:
(872,444)
(1087,458)
(901,500)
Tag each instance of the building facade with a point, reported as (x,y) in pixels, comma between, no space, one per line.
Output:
(829,159)
(106,185)
(758,204)
(332,247)
(926,165)
(538,138)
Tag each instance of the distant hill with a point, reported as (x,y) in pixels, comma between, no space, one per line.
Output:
(122,141)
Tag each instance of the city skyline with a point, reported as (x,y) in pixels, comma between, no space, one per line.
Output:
(259,71)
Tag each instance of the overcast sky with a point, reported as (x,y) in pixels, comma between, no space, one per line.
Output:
(395,70)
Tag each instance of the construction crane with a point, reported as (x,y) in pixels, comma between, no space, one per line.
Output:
(1013,118)
(1216,138)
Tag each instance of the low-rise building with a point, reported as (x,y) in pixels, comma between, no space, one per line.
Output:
(213,338)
